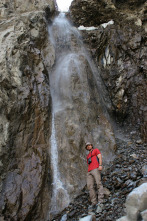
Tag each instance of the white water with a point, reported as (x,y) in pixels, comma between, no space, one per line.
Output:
(60,81)
(60,29)
(64,36)
(60,198)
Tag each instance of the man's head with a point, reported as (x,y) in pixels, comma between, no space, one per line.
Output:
(88,146)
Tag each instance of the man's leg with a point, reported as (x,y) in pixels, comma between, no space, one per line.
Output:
(97,176)
(90,186)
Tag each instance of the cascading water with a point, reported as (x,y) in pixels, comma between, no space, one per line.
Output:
(60,35)
(69,51)
(75,87)
(60,197)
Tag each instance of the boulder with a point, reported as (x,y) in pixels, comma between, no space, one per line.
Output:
(136,204)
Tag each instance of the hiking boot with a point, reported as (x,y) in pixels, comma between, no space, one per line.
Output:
(100,207)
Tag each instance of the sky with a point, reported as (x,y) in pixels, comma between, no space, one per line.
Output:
(63,5)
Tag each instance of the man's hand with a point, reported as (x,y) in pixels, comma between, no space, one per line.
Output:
(100,161)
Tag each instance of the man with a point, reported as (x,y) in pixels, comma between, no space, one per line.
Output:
(94,160)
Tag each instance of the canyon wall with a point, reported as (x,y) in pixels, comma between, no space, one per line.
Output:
(94,96)
(119,50)
(25,106)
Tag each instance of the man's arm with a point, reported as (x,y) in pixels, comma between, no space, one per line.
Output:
(100,161)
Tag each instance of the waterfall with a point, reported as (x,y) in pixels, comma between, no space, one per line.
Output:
(73,80)
(60,198)
(63,37)
(69,49)
(69,52)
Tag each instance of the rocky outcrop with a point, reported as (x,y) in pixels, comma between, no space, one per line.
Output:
(26,58)
(119,51)
(9,9)
(94,13)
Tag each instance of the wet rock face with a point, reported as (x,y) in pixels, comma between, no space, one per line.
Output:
(81,120)
(26,58)
(119,52)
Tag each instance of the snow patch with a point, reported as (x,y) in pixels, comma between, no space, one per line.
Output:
(92,28)
(81,28)
(104,25)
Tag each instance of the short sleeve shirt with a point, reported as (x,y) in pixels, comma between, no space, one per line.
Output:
(94,161)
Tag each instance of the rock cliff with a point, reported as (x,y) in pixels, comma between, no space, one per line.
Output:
(119,50)
(26,57)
